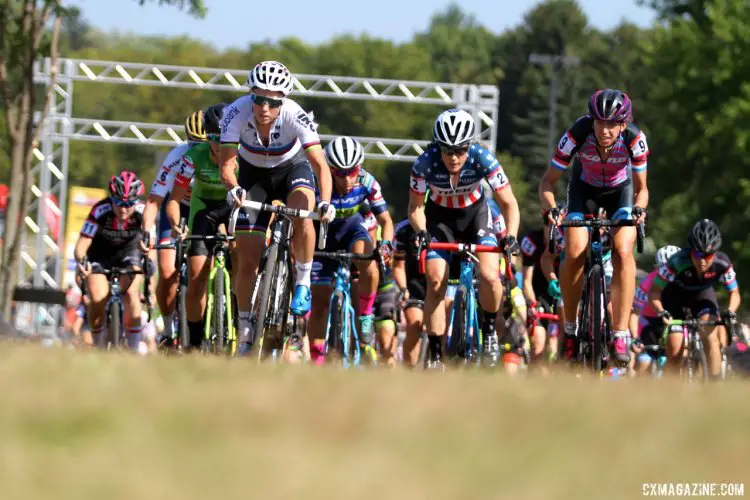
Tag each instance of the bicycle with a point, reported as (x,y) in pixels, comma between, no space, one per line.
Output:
(692,352)
(341,328)
(180,334)
(466,340)
(275,326)
(115,308)
(594,345)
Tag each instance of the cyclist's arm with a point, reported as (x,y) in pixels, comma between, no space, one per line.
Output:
(173,205)
(399,273)
(82,247)
(149,213)
(547,264)
(228,161)
(528,289)
(386,225)
(735,299)
(547,187)
(417,218)
(654,297)
(640,198)
(509,206)
(320,167)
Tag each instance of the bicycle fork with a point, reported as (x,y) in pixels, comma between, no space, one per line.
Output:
(227,306)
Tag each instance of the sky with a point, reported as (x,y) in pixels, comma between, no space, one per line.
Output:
(236,23)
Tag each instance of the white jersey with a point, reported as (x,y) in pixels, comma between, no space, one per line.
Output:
(293,131)
(164,181)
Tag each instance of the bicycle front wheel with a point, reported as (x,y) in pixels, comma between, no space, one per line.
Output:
(336,320)
(217,323)
(695,365)
(114,327)
(457,345)
(265,305)
(183,334)
(598,330)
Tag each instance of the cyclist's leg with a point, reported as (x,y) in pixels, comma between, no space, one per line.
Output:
(357,239)
(673,300)
(437,282)
(705,307)
(299,183)
(98,290)
(166,289)
(385,325)
(414,319)
(619,203)
(198,268)
(131,297)
(321,279)
(571,276)
(490,286)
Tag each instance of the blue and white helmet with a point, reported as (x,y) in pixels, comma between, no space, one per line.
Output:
(454,127)
(271,75)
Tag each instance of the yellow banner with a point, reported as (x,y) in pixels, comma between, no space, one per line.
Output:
(80,201)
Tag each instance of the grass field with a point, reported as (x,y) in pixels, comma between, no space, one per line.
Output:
(84,426)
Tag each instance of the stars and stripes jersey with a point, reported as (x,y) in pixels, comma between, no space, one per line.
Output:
(103,226)
(164,180)
(365,191)
(680,271)
(630,151)
(429,171)
(293,131)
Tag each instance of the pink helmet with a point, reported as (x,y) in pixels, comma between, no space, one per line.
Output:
(126,186)
(611,105)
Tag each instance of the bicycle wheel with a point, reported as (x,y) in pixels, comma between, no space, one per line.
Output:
(183,334)
(695,365)
(457,345)
(217,321)
(336,318)
(114,327)
(423,350)
(596,313)
(265,306)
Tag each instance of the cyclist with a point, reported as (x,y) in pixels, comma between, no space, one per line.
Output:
(208,210)
(112,236)
(279,149)
(352,186)
(452,168)
(166,288)
(412,287)
(687,281)
(610,169)
(649,326)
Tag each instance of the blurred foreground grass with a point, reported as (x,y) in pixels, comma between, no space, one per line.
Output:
(82,426)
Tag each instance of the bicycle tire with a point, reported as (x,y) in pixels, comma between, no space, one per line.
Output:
(266,285)
(337,316)
(597,330)
(114,327)
(457,345)
(423,350)
(697,360)
(182,328)
(218,337)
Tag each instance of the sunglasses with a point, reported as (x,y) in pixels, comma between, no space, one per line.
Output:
(346,173)
(124,204)
(273,103)
(453,150)
(703,255)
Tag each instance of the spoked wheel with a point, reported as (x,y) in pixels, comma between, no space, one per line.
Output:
(694,367)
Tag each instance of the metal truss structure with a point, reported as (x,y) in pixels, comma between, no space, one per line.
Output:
(41,262)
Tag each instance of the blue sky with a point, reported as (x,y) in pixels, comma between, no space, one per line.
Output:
(236,23)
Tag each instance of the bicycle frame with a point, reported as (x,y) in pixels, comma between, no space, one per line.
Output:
(342,287)
(115,300)
(219,266)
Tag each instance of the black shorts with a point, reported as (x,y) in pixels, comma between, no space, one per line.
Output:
(268,184)
(472,224)
(676,301)
(616,201)
(206,222)
(417,292)
(385,303)
(652,331)
(127,257)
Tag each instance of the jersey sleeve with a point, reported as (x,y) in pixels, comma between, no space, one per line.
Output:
(233,120)
(375,198)
(417,179)
(491,169)
(638,147)
(570,141)
(728,277)
(92,222)
(165,177)
(185,173)
(530,250)
(304,125)
(640,298)
(400,240)
(666,274)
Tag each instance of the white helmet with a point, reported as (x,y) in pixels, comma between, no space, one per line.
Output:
(454,127)
(344,153)
(270,75)
(664,253)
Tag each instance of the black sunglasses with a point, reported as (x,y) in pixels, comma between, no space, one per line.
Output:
(453,150)
(260,100)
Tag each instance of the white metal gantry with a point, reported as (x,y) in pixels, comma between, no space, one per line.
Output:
(42,262)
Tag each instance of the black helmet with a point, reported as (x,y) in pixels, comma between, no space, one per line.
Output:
(212,117)
(705,237)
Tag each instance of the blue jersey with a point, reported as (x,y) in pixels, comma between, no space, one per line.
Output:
(366,189)
(429,171)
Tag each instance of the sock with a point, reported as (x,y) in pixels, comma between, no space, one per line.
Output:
(244,324)
(436,344)
(196,332)
(366,303)
(318,351)
(133,334)
(489,321)
(571,328)
(303,273)
(96,335)
(168,325)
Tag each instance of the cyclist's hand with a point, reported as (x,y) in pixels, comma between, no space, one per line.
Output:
(236,196)
(145,242)
(552,216)
(636,346)
(422,239)
(665,316)
(386,250)
(639,214)
(84,267)
(553,289)
(179,232)
(511,244)
(729,317)
(326,211)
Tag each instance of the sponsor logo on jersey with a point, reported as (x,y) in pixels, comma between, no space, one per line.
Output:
(102,209)
(709,275)
(305,119)
(527,246)
(228,116)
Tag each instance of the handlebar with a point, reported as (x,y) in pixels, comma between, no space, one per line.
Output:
(468,248)
(280,210)
(598,223)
